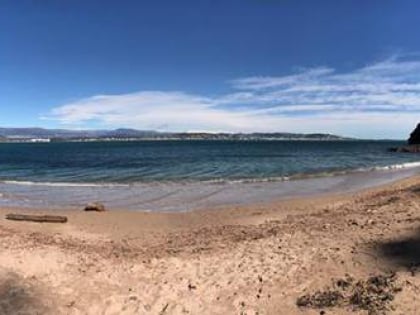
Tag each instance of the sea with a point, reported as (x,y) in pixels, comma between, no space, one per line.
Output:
(187,175)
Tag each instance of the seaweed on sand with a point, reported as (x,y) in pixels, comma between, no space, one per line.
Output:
(373,295)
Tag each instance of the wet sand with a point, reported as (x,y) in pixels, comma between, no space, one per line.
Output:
(187,196)
(246,259)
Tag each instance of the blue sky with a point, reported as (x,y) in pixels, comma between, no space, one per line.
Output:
(346,67)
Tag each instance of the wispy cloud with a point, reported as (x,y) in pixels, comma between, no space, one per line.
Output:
(380,100)
(257,83)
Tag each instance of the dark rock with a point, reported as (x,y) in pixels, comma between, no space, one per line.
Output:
(95,206)
(413,143)
(406,149)
(415,136)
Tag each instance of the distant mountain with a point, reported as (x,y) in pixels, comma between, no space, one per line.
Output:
(31,133)
(129,133)
(22,134)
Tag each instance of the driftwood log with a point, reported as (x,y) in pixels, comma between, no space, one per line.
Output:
(36,218)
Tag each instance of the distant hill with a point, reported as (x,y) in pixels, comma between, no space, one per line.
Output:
(68,134)
(22,134)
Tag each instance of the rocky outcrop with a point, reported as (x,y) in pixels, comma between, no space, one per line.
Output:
(95,206)
(406,149)
(415,136)
(413,143)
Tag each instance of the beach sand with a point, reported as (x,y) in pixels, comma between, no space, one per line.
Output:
(254,259)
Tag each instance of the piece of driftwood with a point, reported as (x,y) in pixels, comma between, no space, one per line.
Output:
(36,218)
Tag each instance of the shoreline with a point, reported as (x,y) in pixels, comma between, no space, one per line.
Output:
(191,196)
(257,258)
(48,140)
(285,206)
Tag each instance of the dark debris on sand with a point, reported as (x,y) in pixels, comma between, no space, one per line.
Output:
(373,295)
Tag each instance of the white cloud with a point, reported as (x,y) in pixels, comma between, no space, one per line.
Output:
(257,83)
(379,100)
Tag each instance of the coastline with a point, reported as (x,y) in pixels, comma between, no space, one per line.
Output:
(197,195)
(255,258)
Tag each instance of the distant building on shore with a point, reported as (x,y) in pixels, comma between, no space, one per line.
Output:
(40,140)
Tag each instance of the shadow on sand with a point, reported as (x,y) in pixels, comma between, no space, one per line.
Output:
(401,253)
(17,297)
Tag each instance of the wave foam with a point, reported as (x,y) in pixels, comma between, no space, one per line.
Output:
(398,166)
(62,184)
(299,176)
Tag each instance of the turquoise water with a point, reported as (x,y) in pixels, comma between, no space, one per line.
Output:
(178,161)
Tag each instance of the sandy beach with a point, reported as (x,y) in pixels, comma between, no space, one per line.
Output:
(209,157)
(254,259)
